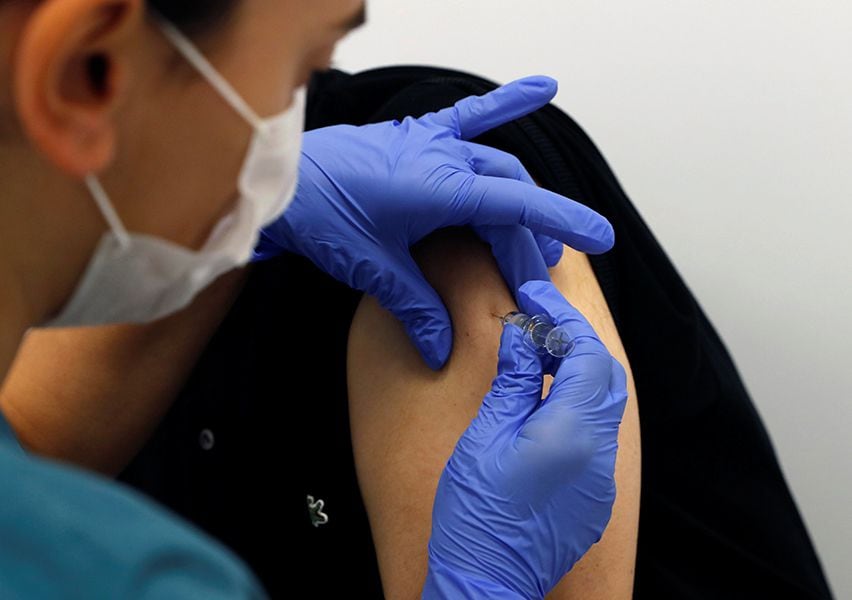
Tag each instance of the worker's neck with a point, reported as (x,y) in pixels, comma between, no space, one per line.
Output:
(14,322)
(49,228)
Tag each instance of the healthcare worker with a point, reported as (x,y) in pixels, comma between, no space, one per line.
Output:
(107,218)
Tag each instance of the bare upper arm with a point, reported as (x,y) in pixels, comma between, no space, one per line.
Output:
(406,418)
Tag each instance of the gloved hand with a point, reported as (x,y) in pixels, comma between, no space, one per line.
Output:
(366,194)
(530,485)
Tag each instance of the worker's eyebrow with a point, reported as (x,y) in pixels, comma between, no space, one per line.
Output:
(356,20)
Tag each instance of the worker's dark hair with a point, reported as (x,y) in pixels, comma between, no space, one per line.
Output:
(191,16)
(194,17)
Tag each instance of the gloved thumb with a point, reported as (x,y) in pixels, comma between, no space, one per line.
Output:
(402,289)
(515,391)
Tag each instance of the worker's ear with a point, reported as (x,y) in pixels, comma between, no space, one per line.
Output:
(69,76)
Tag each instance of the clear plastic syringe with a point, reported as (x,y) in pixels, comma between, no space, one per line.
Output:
(541,335)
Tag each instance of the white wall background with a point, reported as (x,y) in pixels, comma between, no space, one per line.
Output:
(729,124)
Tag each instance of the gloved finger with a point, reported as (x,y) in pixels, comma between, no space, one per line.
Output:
(493,162)
(542,297)
(499,201)
(403,290)
(517,254)
(474,115)
(514,394)
(551,249)
(486,160)
(588,390)
(582,377)
(618,390)
(554,439)
(265,249)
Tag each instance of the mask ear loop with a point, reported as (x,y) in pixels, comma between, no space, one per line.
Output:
(102,200)
(203,66)
(230,95)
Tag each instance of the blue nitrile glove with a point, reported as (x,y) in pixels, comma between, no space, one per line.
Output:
(530,485)
(366,194)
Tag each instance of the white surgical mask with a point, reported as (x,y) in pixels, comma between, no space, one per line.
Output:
(137,278)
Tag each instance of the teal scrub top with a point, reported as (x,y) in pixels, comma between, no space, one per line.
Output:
(68,533)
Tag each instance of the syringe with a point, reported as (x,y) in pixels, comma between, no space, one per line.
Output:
(541,335)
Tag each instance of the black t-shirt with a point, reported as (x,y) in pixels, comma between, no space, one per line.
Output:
(262,427)
(257,448)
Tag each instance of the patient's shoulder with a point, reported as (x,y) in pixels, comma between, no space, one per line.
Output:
(462,270)
(406,419)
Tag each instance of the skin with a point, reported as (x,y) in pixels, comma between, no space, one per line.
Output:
(406,418)
(168,150)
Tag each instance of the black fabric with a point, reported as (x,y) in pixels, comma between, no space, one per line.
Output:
(716,519)
(271,389)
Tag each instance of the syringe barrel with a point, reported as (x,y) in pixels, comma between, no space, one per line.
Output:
(541,335)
